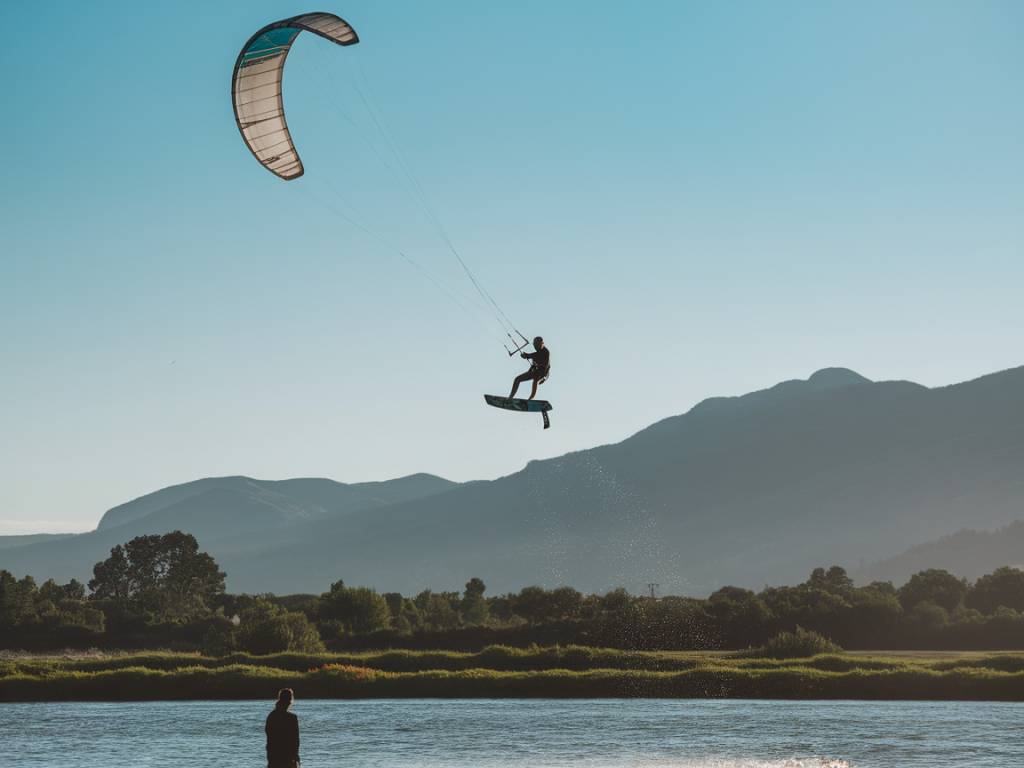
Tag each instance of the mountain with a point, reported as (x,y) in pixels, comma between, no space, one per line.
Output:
(744,490)
(228,515)
(966,553)
(285,501)
(20,540)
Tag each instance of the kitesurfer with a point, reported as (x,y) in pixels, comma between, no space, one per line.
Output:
(283,733)
(540,367)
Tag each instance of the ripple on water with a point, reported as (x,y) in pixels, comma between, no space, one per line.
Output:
(521,734)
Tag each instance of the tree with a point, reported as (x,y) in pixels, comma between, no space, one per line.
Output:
(358,609)
(474,606)
(740,615)
(52,615)
(615,601)
(394,601)
(676,622)
(874,612)
(475,589)
(928,615)
(882,588)
(16,599)
(57,593)
(934,585)
(539,606)
(267,628)
(834,580)
(809,607)
(437,611)
(1004,587)
(409,618)
(162,575)
(566,603)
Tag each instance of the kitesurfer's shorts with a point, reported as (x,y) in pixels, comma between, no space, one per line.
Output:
(538,373)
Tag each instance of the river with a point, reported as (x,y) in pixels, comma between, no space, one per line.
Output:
(630,733)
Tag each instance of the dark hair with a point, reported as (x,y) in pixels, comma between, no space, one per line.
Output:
(285,697)
(537,339)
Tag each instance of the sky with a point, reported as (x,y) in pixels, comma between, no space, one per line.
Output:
(686,199)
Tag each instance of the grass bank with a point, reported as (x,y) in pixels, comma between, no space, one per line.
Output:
(496,672)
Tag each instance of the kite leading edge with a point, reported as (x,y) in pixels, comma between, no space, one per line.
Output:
(256,87)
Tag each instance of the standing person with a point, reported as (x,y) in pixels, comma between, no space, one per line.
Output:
(540,367)
(283,733)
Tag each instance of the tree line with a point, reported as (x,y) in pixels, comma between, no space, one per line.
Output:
(161,591)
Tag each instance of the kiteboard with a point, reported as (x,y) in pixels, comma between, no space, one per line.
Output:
(518,404)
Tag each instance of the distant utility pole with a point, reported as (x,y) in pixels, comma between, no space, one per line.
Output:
(652,586)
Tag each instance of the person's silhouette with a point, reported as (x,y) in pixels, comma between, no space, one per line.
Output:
(283,733)
(540,368)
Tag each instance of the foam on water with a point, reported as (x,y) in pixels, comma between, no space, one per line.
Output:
(711,762)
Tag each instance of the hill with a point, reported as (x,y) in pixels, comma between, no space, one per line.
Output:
(744,490)
(20,540)
(967,553)
(229,515)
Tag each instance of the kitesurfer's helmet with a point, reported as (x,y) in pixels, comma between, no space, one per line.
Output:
(537,341)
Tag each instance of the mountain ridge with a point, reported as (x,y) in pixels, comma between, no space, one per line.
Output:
(967,553)
(311,486)
(752,489)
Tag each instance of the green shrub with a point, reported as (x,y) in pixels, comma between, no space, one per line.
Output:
(796,645)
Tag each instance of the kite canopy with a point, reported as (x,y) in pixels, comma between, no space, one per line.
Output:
(256,87)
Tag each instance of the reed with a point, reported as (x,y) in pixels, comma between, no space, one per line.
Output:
(555,672)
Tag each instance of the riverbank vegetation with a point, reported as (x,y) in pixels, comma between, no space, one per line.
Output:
(569,672)
(162,592)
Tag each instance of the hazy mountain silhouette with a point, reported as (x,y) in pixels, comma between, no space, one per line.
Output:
(20,540)
(965,553)
(286,501)
(226,514)
(745,490)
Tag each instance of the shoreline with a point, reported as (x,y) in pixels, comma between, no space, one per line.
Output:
(553,673)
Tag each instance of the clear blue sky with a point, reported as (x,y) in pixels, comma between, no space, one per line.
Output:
(686,199)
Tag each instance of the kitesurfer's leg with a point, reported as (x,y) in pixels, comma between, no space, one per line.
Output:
(519,380)
(533,392)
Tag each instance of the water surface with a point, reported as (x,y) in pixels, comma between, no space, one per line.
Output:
(521,734)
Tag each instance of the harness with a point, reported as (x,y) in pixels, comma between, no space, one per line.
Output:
(547,372)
